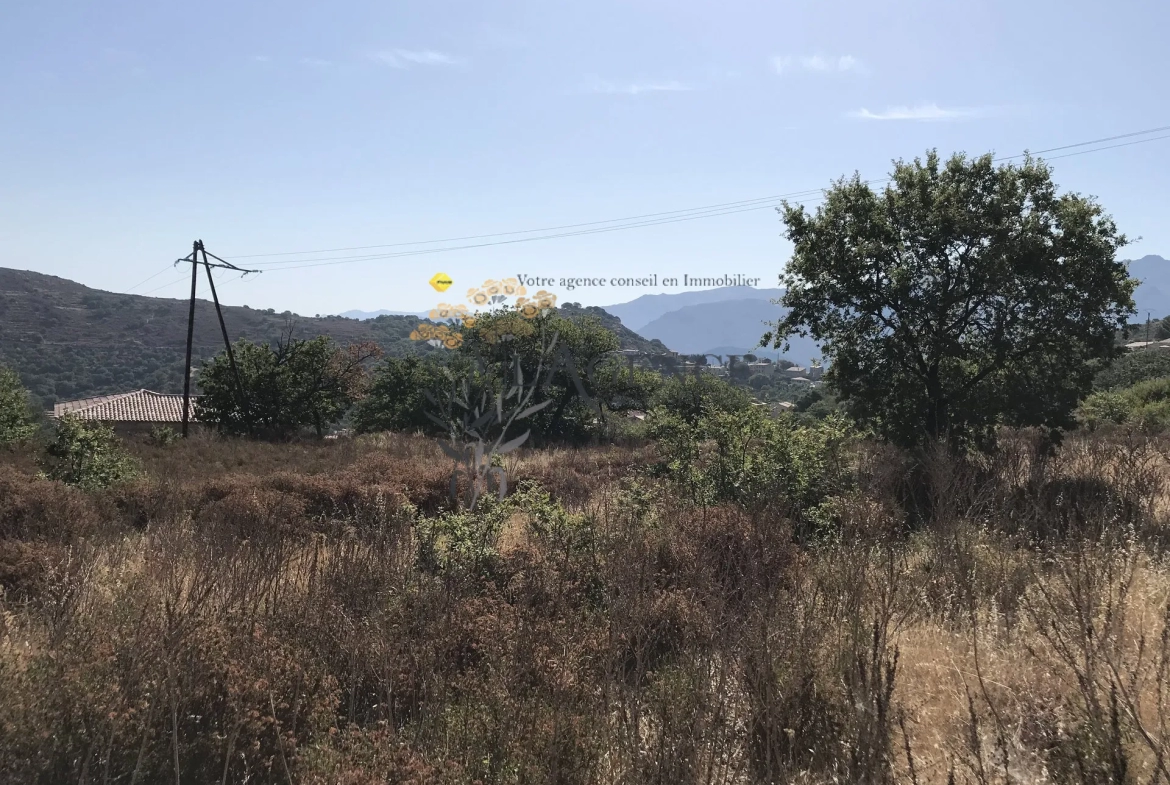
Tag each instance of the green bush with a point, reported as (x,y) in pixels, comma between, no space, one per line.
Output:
(1134,367)
(1145,405)
(691,397)
(163,436)
(751,459)
(16,416)
(87,455)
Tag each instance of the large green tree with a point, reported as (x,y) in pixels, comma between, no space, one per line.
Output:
(16,414)
(293,386)
(396,400)
(962,296)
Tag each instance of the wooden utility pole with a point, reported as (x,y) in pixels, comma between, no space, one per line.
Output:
(197,248)
(190,336)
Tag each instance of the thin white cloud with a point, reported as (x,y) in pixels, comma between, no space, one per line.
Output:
(783,64)
(261,59)
(637,88)
(317,62)
(405,58)
(920,113)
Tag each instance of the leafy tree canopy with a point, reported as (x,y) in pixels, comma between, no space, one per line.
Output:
(579,362)
(690,398)
(1134,367)
(963,296)
(396,400)
(297,384)
(16,417)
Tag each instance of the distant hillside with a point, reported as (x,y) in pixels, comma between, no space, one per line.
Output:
(629,339)
(723,325)
(639,312)
(69,341)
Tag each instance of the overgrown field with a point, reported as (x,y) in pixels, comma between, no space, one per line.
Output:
(794,607)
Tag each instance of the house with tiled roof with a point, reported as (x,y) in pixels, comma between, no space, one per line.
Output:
(129,412)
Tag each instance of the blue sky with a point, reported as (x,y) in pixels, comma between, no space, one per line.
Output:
(132,128)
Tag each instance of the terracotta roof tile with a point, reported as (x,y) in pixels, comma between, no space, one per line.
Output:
(138,406)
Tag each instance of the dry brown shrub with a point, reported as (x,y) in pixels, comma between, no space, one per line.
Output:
(36,509)
(25,568)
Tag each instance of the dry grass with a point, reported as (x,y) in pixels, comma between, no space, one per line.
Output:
(316,613)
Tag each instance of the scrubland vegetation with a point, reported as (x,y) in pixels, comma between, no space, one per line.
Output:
(676,611)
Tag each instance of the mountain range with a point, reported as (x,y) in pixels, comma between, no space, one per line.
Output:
(641,311)
(1153,294)
(364,315)
(732,320)
(726,327)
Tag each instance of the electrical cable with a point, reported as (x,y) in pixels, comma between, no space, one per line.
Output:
(704,209)
(329,261)
(632,222)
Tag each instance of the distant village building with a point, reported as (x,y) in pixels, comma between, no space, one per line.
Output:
(132,412)
(1163,344)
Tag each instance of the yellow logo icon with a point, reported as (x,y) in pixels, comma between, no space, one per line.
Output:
(441,282)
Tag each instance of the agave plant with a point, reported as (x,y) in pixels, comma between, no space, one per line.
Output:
(479,419)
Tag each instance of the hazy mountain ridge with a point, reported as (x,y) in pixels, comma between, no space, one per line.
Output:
(715,320)
(1153,295)
(704,327)
(366,315)
(639,312)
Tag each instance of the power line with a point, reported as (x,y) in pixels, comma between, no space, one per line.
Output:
(633,222)
(146,280)
(528,231)
(329,261)
(715,209)
(164,286)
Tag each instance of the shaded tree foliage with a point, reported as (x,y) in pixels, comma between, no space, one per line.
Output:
(690,398)
(396,399)
(16,416)
(581,375)
(296,385)
(963,296)
(571,374)
(1134,367)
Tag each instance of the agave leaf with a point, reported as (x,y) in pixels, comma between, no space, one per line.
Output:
(483,419)
(507,447)
(534,409)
